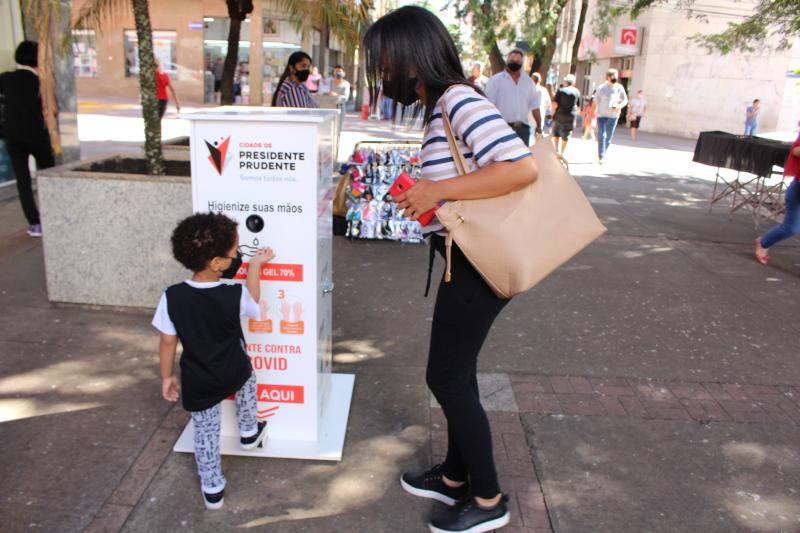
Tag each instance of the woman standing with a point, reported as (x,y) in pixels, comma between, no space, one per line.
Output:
(411,54)
(791,222)
(291,90)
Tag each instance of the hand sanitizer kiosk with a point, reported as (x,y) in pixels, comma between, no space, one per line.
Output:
(271,170)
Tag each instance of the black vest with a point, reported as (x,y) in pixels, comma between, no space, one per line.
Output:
(214,363)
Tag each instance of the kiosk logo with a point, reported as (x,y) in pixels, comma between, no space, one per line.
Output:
(218,151)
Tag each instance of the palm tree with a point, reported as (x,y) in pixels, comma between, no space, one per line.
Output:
(97,13)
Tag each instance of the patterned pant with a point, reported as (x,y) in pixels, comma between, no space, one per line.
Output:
(206,435)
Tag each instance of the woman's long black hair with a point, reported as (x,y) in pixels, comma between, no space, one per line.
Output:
(294,59)
(412,37)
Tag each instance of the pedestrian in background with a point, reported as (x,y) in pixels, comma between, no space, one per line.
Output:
(637,108)
(162,84)
(751,118)
(589,119)
(610,98)
(412,52)
(544,96)
(791,221)
(217,69)
(312,83)
(565,107)
(513,92)
(24,127)
(291,90)
(477,78)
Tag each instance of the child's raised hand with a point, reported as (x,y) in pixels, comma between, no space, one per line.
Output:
(170,388)
(263,255)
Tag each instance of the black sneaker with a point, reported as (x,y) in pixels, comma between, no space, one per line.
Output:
(430,485)
(248,443)
(214,501)
(469,517)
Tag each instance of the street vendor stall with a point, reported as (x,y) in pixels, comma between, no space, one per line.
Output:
(369,211)
(758,183)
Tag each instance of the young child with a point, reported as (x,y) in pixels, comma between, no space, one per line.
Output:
(205,314)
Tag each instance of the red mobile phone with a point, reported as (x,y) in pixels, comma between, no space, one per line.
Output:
(401,185)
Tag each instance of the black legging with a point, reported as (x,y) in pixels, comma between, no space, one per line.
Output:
(464,312)
(18,152)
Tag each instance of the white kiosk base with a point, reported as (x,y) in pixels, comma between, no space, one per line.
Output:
(333,426)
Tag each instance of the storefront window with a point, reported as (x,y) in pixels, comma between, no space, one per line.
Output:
(215,49)
(277,47)
(84,52)
(163,49)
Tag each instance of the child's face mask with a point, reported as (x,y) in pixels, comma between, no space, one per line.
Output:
(230,272)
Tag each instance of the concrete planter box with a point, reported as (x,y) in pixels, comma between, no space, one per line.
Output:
(107,233)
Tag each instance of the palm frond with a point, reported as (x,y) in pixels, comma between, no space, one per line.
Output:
(97,13)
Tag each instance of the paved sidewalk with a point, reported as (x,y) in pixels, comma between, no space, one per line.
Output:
(651,384)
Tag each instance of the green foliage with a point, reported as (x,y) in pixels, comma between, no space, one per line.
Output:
(347,19)
(778,19)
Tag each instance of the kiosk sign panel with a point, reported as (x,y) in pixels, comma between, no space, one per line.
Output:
(271,171)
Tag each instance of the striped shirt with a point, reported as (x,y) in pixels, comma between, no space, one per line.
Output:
(293,94)
(481,134)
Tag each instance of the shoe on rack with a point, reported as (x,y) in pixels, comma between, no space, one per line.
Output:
(35,230)
(214,501)
(431,485)
(255,441)
(469,517)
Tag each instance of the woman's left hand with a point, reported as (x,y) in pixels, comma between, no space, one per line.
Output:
(419,199)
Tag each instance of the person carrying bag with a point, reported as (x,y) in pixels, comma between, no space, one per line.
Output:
(516,240)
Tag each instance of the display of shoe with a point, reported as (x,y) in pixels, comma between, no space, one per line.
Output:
(255,441)
(35,230)
(214,501)
(431,485)
(469,517)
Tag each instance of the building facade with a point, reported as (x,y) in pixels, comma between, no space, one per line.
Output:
(189,36)
(688,89)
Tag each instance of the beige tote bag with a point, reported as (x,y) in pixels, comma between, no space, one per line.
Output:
(514,241)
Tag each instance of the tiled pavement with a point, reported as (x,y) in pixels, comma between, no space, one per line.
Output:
(701,402)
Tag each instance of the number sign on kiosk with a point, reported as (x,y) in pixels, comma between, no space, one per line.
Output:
(271,170)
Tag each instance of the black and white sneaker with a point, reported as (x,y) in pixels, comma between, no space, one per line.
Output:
(469,517)
(431,485)
(248,443)
(214,501)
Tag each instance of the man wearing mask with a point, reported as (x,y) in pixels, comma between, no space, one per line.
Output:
(609,100)
(515,95)
(24,127)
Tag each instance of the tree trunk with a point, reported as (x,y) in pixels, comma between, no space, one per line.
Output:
(573,63)
(147,88)
(496,59)
(231,59)
(550,43)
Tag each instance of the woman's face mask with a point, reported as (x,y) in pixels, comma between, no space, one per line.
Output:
(404,92)
(302,75)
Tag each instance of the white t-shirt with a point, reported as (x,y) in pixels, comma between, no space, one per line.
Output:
(163,323)
(610,100)
(482,136)
(544,96)
(514,100)
(638,106)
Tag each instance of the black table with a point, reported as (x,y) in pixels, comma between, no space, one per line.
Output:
(757,158)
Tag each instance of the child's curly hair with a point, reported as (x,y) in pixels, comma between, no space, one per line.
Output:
(201,237)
